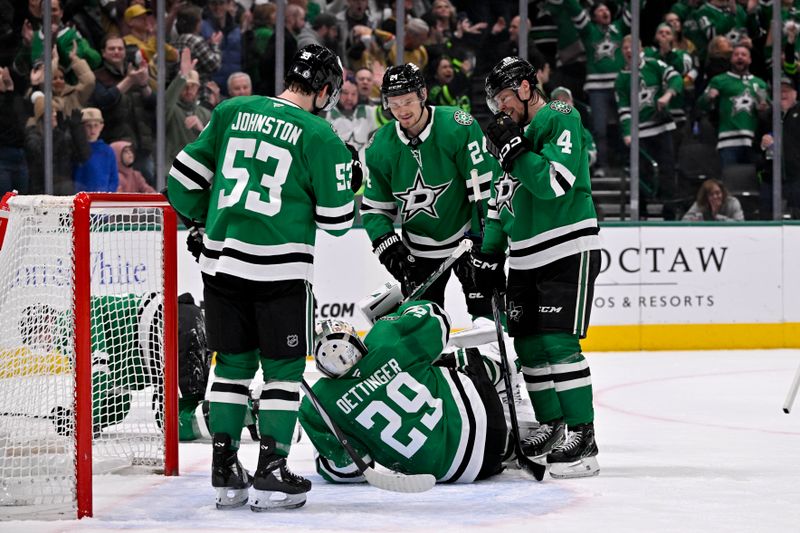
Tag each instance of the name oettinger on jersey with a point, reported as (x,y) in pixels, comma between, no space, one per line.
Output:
(278,128)
(380,377)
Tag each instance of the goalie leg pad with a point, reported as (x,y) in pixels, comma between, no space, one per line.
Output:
(586,467)
(266,500)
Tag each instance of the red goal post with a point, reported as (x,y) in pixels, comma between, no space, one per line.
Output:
(50,245)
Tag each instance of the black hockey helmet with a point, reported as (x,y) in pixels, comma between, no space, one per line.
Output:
(401,79)
(508,74)
(315,66)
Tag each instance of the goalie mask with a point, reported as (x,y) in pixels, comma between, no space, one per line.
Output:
(314,67)
(509,74)
(337,348)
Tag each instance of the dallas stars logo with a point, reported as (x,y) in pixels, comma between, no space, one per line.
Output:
(744,102)
(506,188)
(514,311)
(605,48)
(420,198)
(646,95)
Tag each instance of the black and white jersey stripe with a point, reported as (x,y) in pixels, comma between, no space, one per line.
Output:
(348,474)
(190,173)
(257,262)
(335,218)
(554,244)
(374,207)
(427,247)
(468,458)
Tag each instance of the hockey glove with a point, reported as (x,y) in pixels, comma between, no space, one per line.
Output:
(505,140)
(356,171)
(194,242)
(394,255)
(488,271)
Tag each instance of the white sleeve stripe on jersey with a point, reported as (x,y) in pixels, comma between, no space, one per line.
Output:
(201,170)
(335,212)
(188,183)
(195,165)
(561,179)
(374,204)
(335,226)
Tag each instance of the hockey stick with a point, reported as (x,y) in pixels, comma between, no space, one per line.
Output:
(463,247)
(61,418)
(787,405)
(535,469)
(393,481)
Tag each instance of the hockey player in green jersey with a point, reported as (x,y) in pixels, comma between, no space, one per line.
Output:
(740,97)
(397,407)
(419,168)
(542,207)
(262,177)
(126,338)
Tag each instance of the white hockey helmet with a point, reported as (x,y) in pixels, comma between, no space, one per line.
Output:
(337,347)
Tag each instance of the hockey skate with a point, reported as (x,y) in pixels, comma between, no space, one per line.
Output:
(577,456)
(275,486)
(227,474)
(546,438)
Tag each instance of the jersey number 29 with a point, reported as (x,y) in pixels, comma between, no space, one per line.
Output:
(415,398)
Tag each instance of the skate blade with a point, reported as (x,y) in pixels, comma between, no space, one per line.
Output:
(231,498)
(586,467)
(267,500)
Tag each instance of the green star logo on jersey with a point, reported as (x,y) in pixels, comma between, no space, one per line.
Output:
(744,102)
(506,187)
(420,198)
(605,49)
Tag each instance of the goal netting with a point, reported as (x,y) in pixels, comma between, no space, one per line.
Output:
(87,346)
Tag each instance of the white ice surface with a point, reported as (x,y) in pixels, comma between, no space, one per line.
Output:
(689,441)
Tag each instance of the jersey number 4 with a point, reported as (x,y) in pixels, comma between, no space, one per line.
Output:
(415,398)
(273,183)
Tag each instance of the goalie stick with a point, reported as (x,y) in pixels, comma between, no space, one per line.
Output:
(393,481)
(61,417)
(463,247)
(388,297)
(787,404)
(535,469)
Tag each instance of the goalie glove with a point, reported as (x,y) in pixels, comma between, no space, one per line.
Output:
(505,140)
(394,255)
(487,271)
(356,170)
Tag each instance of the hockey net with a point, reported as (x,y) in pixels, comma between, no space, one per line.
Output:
(88,378)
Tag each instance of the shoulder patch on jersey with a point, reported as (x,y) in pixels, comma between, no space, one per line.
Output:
(561,107)
(463,118)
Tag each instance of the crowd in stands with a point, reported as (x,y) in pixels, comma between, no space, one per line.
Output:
(704,97)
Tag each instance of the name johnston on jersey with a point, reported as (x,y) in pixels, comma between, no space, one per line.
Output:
(278,128)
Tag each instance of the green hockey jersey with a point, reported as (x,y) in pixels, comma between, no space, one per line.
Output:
(397,409)
(427,182)
(739,97)
(603,46)
(263,176)
(655,78)
(708,21)
(684,65)
(544,207)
